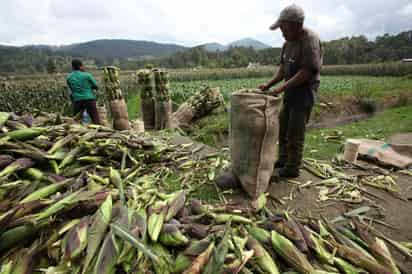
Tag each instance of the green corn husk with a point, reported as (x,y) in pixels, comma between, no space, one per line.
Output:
(17,165)
(175,204)
(46,191)
(164,264)
(262,257)
(359,259)
(184,259)
(260,202)
(19,234)
(156,219)
(126,235)
(290,253)
(378,248)
(116,179)
(200,261)
(4,116)
(97,230)
(6,268)
(75,240)
(107,258)
(259,234)
(35,173)
(70,157)
(58,206)
(172,236)
(26,133)
(237,265)
(61,143)
(217,260)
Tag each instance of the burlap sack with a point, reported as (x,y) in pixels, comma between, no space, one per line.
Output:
(184,114)
(148,112)
(253,136)
(121,124)
(103,115)
(163,115)
(396,155)
(119,114)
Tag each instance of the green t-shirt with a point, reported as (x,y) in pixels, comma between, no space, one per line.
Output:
(82,85)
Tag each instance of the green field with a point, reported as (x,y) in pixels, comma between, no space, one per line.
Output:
(330,86)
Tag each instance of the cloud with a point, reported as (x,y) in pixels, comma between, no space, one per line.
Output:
(191,22)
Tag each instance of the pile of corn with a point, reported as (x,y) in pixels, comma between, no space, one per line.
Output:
(81,199)
(199,105)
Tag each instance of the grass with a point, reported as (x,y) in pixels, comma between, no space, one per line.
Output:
(378,127)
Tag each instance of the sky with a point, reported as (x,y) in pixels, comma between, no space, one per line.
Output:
(191,22)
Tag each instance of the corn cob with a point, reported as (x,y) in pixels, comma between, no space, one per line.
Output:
(262,257)
(26,133)
(290,253)
(172,236)
(19,164)
(75,240)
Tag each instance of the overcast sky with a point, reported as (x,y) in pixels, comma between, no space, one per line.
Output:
(191,22)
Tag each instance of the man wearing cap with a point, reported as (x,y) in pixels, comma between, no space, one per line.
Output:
(300,64)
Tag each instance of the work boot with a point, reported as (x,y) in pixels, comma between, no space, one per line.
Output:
(289,172)
(227,180)
(279,164)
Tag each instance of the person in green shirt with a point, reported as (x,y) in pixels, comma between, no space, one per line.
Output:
(82,86)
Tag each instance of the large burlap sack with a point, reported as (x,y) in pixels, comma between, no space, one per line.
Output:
(253,136)
(184,114)
(148,112)
(163,114)
(119,114)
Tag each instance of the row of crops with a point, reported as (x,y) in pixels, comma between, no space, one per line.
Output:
(51,94)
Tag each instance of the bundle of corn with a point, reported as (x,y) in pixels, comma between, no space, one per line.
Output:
(199,105)
(92,200)
(163,103)
(147,97)
(117,103)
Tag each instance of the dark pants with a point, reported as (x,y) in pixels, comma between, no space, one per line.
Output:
(89,106)
(292,125)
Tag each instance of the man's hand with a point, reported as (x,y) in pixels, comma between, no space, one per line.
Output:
(263,87)
(276,91)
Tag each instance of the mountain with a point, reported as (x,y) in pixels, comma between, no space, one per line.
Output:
(214,47)
(248,42)
(118,48)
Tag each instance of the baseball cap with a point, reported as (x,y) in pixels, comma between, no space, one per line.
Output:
(292,13)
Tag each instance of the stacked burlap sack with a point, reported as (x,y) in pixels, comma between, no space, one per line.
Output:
(114,94)
(156,105)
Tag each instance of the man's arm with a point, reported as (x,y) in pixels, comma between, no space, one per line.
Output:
(302,76)
(93,82)
(279,76)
